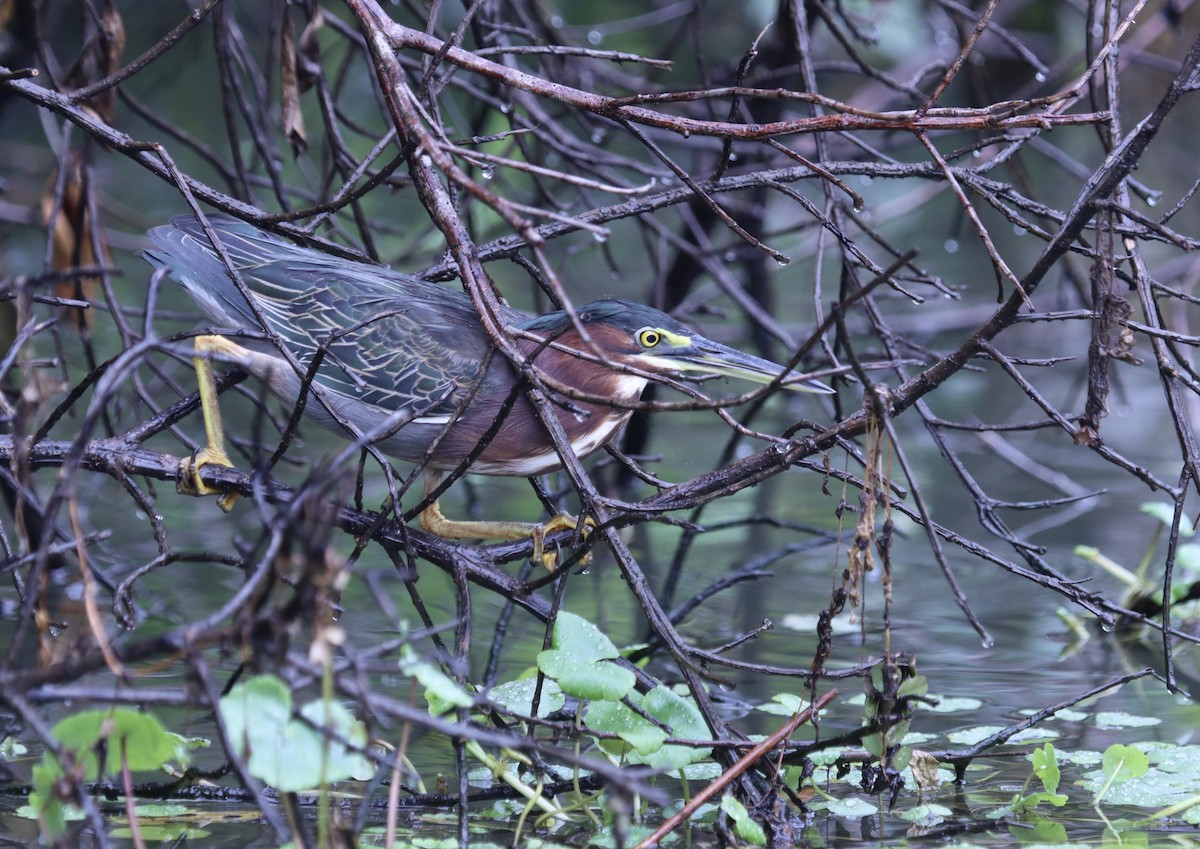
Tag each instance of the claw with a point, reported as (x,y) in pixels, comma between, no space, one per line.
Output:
(189,482)
(561,522)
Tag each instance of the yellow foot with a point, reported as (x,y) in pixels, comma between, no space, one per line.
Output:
(434,522)
(189,482)
(561,522)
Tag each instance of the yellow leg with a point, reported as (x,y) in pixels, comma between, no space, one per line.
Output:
(214,452)
(433,521)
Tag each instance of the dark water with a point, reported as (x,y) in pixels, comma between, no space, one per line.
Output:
(1034,661)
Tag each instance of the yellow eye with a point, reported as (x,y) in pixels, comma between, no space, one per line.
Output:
(648,337)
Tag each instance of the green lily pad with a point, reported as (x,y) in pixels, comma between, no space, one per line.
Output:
(851,807)
(517,696)
(927,815)
(784,704)
(285,752)
(951,704)
(578,661)
(1110,719)
(970,736)
(645,738)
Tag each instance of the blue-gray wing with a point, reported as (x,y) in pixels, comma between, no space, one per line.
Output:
(391,340)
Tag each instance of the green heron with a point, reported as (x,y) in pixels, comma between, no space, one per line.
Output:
(407,365)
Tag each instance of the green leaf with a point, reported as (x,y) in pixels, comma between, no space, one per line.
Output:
(517,696)
(442,693)
(970,736)
(286,753)
(581,638)
(173,833)
(851,807)
(1110,719)
(744,826)
(951,704)
(578,661)
(610,717)
(1043,832)
(918,685)
(784,704)
(1122,763)
(877,678)
(336,761)
(1165,513)
(140,737)
(159,811)
(927,816)
(683,718)
(147,744)
(65,814)
(1187,557)
(646,738)
(1045,767)
(11,748)
(826,757)
(1028,803)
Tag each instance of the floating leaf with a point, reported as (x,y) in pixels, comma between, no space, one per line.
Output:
(705,770)
(1181,760)
(926,815)
(173,833)
(159,811)
(517,696)
(851,807)
(1069,715)
(611,717)
(826,757)
(784,704)
(11,748)
(970,736)
(1110,719)
(1080,757)
(951,704)
(647,737)
(807,623)
(1042,832)
(1154,788)
(916,738)
(632,835)
(579,659)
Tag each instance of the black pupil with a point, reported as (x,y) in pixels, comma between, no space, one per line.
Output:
(650,338)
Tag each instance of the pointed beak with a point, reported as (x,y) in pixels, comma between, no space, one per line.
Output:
(708,357)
